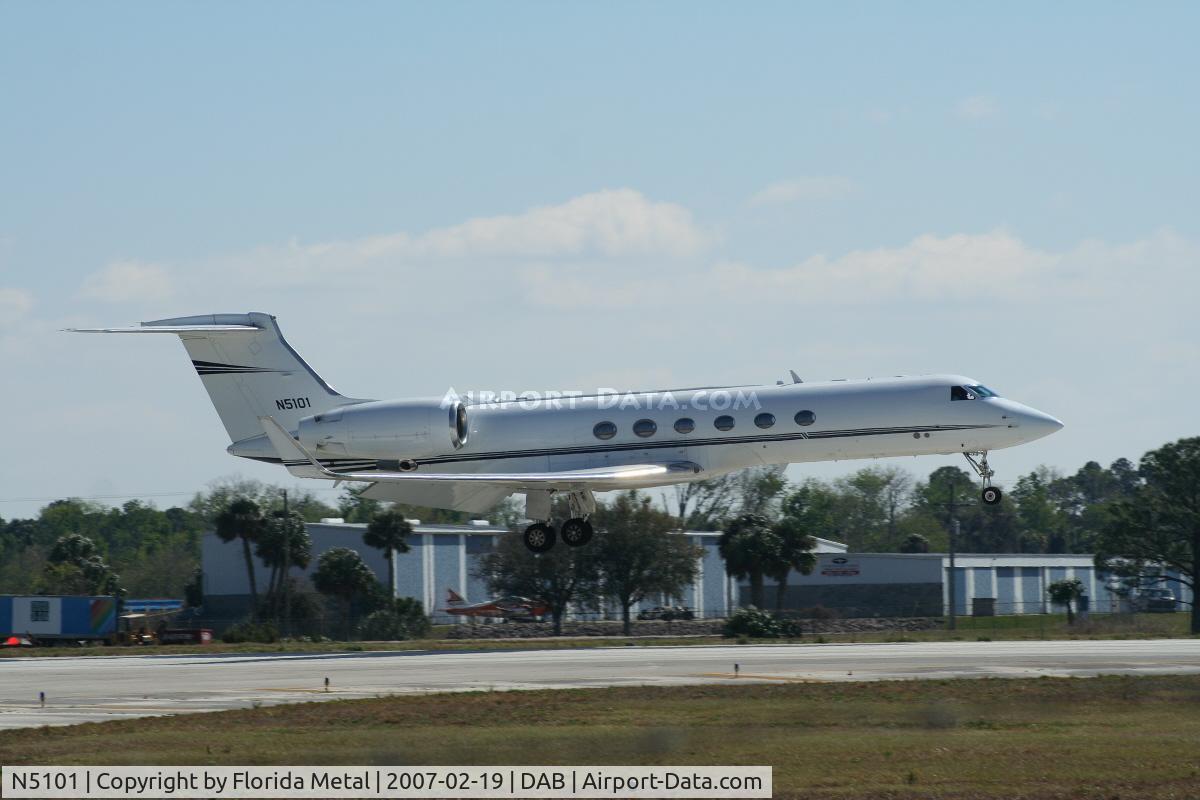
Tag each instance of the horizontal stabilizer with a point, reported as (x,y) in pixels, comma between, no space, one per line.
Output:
(179,329)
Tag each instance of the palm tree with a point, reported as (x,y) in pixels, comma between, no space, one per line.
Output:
(280,530)
(795,553)
(243,519)
(388,531)
(342,574)
(751,549)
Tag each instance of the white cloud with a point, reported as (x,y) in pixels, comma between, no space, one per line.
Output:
(14,304)
(977,107)
(611,223)
(818,187)
(995,267)
(610,226)
(128,282)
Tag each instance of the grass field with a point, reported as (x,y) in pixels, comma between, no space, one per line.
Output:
(1030,626)
(1113,737)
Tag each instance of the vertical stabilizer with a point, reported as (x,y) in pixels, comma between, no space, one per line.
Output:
(248,369)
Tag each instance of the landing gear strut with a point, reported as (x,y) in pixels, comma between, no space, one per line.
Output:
(539,537)
(991,494)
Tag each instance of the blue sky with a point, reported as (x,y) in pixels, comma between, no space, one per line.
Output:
(681,192)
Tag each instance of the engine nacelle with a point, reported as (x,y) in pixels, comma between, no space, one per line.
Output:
(399,430)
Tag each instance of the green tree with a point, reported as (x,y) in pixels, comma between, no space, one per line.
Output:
(1065,593)
(637,554)
(560,577)
(817,506)
(399,618)
(342,575)
(388,531)
(353,507)
(915,543)
(869,505)
(1156,526)
(282,529)
(752,549)
(74,567)
(795,553)
(1041,524)
(243,519)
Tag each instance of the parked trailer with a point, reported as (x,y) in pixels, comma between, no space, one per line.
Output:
(58,619)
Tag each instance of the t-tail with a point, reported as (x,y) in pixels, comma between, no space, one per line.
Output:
(249,371)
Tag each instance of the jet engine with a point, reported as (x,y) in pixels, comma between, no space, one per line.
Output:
(400,430)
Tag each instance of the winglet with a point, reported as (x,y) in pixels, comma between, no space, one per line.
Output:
(298,461)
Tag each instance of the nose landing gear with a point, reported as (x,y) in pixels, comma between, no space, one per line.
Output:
(991,494)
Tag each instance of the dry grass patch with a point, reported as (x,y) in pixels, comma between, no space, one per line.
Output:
(1118,737)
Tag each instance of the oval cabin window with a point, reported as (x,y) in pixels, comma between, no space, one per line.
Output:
(604,430)
(723,423)
(805,418)
(645,428)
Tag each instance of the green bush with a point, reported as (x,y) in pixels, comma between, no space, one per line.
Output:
(249,631)
(752,622)
(403,618)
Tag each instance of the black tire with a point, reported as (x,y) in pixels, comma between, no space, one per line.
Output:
(992,496)
(539,537)
(576,532)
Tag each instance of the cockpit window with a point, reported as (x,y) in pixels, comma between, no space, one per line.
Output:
(970,392)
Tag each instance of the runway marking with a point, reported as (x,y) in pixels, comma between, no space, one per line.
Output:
(753,676)
(297,689)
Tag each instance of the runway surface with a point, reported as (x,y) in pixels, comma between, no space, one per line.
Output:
(90,689)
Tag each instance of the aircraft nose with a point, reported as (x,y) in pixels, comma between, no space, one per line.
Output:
(1039,423)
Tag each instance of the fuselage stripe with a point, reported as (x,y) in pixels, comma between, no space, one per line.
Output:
(673,444)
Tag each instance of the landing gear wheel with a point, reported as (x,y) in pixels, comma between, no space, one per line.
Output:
(991,496)
(576,532)
(539,537)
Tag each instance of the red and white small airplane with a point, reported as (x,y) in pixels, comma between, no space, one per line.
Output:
(508,607)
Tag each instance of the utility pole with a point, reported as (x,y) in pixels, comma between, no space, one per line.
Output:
(952,615)
(287,566)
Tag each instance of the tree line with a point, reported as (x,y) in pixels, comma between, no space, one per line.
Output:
(1135,518)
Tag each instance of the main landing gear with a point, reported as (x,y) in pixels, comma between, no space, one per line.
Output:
(991,494)
(575,532)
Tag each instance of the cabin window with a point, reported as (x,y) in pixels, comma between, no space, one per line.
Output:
(805,418)
(645,428)
(961,393)
(764,420)
(685,425)
(723,423)
(604,430)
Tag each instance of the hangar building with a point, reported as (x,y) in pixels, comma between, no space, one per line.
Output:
(444,557)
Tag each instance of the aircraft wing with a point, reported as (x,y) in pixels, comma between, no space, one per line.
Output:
(302,463)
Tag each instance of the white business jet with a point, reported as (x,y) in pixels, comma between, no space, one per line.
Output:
(444,452)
